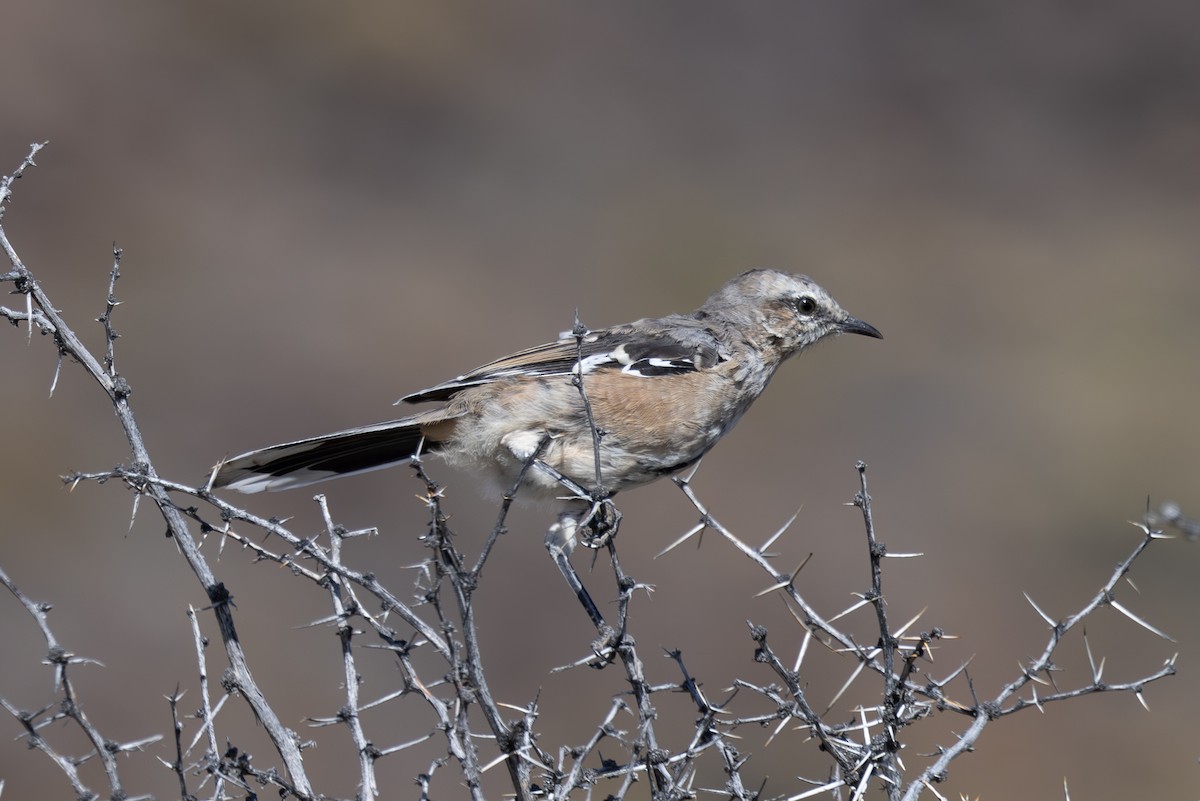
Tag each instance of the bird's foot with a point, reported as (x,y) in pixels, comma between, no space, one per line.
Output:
(599,525)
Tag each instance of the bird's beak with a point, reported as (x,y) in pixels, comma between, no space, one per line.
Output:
(853,325)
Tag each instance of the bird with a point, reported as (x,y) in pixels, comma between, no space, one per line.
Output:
(579,419)
(648,398)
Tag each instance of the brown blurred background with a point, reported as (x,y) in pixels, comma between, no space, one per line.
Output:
(324,206)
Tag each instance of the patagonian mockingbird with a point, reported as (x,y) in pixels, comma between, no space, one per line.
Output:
(594,413)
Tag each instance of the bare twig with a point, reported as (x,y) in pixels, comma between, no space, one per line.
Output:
(69,708)
(862,751)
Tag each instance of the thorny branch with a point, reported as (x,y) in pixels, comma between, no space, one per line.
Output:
(438,623)
(904,700)
(118,391)
(69,708)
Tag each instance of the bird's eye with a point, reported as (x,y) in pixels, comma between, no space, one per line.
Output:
(806,304)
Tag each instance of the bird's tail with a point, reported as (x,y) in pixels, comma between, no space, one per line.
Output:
(343,453)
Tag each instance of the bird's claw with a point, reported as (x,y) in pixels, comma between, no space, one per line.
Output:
(597,528)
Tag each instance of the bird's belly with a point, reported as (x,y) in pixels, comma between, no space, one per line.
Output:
(639,437)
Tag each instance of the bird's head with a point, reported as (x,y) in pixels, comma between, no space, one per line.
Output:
(783,312)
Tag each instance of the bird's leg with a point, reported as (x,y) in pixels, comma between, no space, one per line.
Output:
(594,520)
(599,524)
(560,540)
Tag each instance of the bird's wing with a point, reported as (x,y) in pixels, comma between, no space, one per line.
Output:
(647,349)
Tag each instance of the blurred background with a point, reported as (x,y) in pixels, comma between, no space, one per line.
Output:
(325,206)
